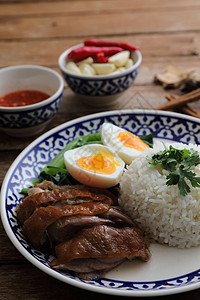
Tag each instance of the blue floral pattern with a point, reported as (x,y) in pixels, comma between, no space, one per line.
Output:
(163,125)
(100,87)
(31,117)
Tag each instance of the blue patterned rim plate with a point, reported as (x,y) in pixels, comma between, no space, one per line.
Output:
(170,270)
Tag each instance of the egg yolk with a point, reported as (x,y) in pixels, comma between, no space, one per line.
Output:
(130,140)
(99,163)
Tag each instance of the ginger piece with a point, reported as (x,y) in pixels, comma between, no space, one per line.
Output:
(172,77)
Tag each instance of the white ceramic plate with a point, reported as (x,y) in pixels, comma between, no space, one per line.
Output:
(170,270)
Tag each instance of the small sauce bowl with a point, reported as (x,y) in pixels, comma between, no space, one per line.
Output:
(31,119)
(99,90)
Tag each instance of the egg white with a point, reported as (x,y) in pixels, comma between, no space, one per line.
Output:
(109,133)
(92,178)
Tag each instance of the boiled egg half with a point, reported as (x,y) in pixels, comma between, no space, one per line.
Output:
(127,145)
(94,165)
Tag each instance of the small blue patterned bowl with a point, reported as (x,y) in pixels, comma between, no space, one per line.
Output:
(99,90)
(31,119)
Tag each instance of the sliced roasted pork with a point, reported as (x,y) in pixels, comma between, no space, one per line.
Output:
(100,242)
(116,214)
(49,185)
(90,268)
(34,227)
(84,227)
(57,197)
(66,227)
(86,265)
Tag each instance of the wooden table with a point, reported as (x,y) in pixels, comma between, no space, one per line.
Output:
(36,32)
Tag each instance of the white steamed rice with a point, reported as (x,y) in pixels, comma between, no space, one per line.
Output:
(159,210)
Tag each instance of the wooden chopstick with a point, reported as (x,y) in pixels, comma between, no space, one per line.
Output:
(182,100)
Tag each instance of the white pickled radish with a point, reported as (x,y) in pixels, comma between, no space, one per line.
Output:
(119,70)
(88,60)
(72,67)
(120,59)
(86,69)
(122,69)
(129,63)
(102,69)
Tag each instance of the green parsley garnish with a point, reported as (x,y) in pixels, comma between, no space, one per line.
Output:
(180,164)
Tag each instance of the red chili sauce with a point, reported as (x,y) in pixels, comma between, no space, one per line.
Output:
(22,98)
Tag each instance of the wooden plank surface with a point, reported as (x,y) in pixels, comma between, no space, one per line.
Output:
(36,32)
(25,8)
(153,46)
(91,25)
